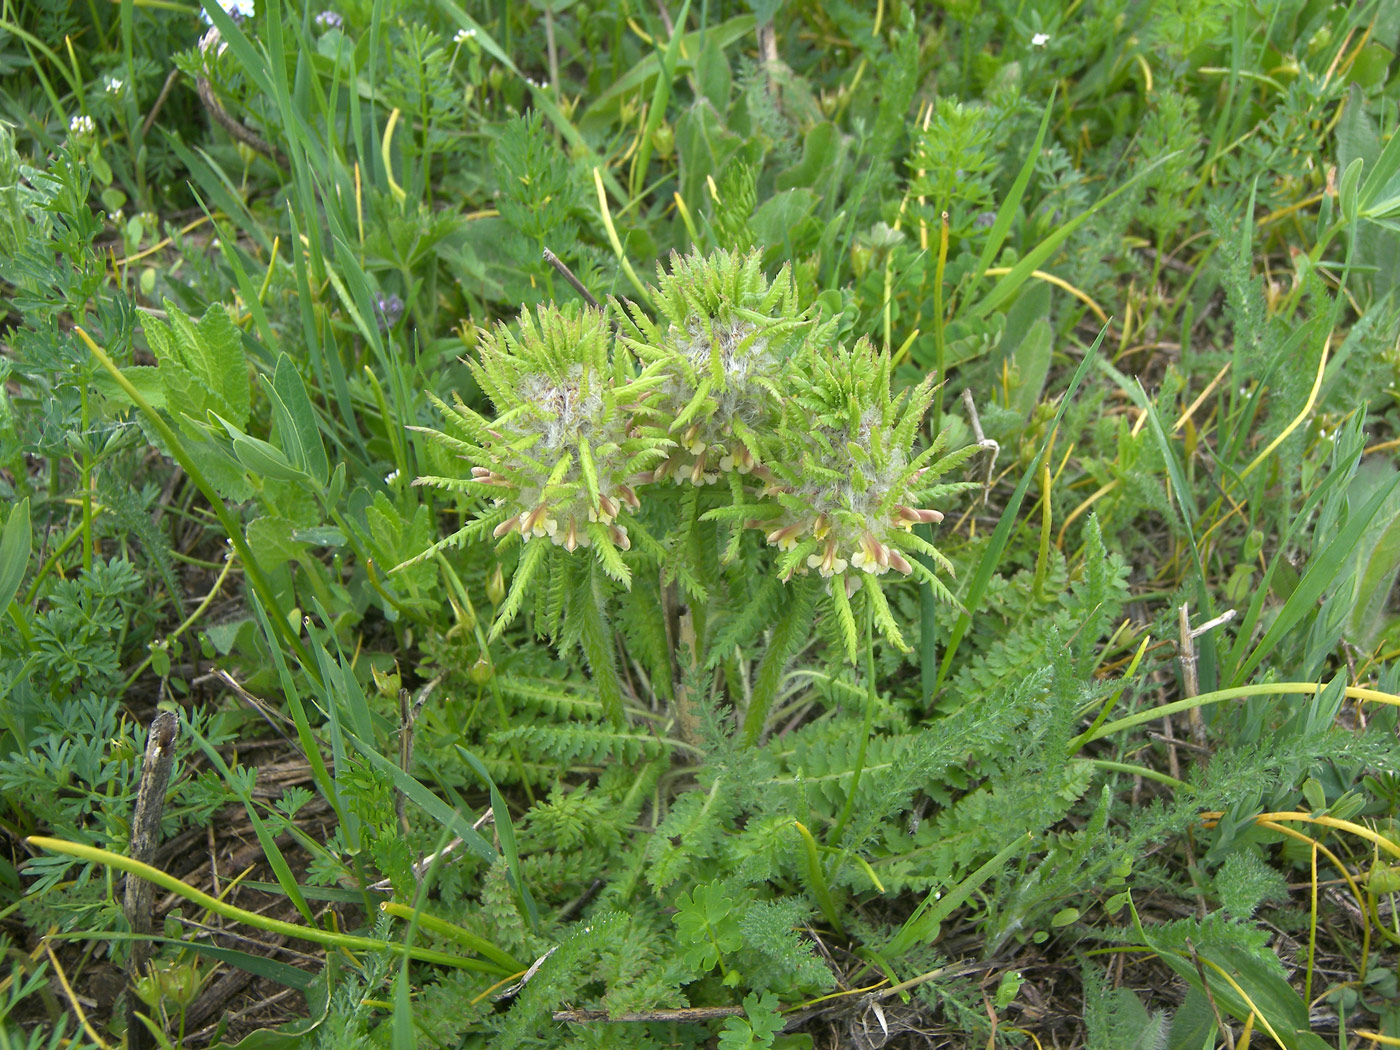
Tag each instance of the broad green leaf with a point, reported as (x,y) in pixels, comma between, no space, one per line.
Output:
(1272,999)
(1032,365)
(704,146)
(1323,568)
(820,150)
(602,110)
(146,379)
(1356,134)
(272,539)
(15,545)
(1193,1024)
(218,466)
(209,373)
(1370,65)
(712,74)
(1380,176)
(296,419)
(779,220)
(1378,556)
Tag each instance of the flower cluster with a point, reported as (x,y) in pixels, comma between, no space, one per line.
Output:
(722,343)
(558,458)
(847,485)
(734,379)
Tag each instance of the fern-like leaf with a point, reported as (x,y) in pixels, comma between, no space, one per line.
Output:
(595,638)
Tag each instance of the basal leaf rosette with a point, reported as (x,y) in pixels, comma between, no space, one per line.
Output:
(721,342)
(555,459)
(844,486)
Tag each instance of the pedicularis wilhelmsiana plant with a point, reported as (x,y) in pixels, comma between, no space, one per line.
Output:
(597,409)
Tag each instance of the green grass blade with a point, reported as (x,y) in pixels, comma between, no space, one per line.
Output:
(1006,214)
(505,831)
(1321,571)
(1021,272)
(660,96)
(280,868)
(418,794)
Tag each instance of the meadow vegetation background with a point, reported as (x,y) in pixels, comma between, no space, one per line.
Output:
(710,732)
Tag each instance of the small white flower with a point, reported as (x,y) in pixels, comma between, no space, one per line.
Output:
(1040,40)
(113,86)
(235,9)
(81,126)
(463,35)
(391,477)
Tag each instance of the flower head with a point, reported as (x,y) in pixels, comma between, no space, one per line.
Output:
(843,470)
(557,458)
(725,335)
(82,127)
(328,20)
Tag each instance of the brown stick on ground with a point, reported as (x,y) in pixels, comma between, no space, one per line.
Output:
(145,836)
(687,1016)
(1186,652)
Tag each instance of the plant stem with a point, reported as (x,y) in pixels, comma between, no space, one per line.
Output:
(169,882)
(87,485)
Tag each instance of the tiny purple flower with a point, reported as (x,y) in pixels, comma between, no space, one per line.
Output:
(328,20)
(389,308)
